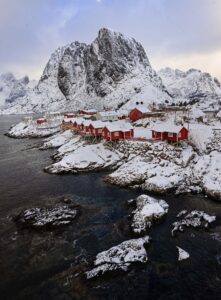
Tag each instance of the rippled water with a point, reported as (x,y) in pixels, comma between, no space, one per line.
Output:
(49,265)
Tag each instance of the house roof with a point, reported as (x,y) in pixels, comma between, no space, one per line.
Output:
(108,113)
(98,124)
(79,121)
(119,126)
(122,112)
(172,128)
(141,108)
(86,122)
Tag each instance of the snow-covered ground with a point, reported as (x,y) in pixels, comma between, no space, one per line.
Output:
(24,129)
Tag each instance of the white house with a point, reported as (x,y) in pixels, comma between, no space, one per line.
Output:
(107,116)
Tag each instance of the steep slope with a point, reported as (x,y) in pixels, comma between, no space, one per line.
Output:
(113,71)
(193,86)
(12,90)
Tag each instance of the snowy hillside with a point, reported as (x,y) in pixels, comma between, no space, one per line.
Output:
(12,90)
(192,87)
(114,70)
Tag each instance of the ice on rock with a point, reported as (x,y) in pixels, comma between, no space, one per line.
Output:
(148,210)
(182,254)
(120,257)
(193,219)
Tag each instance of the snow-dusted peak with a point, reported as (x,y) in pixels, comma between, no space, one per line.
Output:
(193,86)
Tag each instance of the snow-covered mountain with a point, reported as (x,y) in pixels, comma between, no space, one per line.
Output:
(12,89)
(192,87)
(113,71)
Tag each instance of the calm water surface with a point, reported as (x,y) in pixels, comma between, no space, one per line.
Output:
(49,265)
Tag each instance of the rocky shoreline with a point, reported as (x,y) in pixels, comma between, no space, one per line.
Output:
(154,167)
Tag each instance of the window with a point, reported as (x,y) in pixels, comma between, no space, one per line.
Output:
(99,130)
(179,135)
(116,133)
(170,134)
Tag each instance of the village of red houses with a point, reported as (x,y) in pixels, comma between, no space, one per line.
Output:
(114,125)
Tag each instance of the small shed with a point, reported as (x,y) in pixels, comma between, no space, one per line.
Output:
(105,116)
(169,132)
(138,113)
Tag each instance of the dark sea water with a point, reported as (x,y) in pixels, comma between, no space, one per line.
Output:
(50,265)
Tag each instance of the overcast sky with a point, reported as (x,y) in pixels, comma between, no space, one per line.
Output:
(176,33)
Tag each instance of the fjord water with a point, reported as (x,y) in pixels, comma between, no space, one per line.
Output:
(50,265)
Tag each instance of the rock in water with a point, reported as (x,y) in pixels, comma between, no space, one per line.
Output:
(148,210)
(182,254)
(120,257)
(194,219)
(47,217)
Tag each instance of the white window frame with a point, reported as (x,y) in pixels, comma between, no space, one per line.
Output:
(116,133)
(170,134)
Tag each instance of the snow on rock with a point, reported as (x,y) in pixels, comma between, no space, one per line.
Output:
(157,167)
(193,87)
(47,217)
(87,157)
(23,130)
(182,254)
(113,70)
(193,219)
(148,210)
(208,171)
(120,257)
(58,140)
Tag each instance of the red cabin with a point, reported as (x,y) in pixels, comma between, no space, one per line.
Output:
(96,128)
(172,133)
(117,131)
(41,121)
(85,127)
(138,113)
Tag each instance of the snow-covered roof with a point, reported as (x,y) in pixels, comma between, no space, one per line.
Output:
(108,113)
(119,126)
(79,121)
(68,120)
(142,109)
(86,122)
(167,128)
(98,124)
(122,112)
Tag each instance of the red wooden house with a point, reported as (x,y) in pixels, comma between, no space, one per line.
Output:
(96,128)
(85,127)
(170,132)
(138,113)
(117,131)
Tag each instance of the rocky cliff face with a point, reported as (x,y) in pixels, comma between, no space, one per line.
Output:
(12,89)
(114,70)
(111,72)
(193,86)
